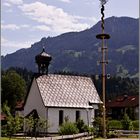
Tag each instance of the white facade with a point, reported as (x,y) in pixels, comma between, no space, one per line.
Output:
(34,101)
(86,115)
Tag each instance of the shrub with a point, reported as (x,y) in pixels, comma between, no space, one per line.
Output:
(114,124)
(111,134)
(126,122)
(98,123)
(81,126)
(130,126)
(68,128)
(135,125)
(91,129)
(13,124)
(3,131)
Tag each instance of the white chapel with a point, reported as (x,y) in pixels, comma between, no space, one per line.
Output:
(54,97)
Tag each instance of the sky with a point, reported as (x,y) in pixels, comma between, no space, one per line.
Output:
(24,22)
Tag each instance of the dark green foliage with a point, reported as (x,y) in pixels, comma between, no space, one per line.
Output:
(68,128)
(13,123)
(111,134)
(29,124)
(70,73)
(91,129)
(42,125)
(13,88)
(116,86)
(35,126)
(81,126)
(98,124)
(126,122)
(135,125)
(24,73)
(131,112)
(114,124)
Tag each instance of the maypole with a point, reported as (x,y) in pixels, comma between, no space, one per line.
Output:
(103,36)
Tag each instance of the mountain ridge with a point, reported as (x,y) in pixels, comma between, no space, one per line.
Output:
(78,51)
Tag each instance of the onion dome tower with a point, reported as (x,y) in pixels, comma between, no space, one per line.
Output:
(43,60)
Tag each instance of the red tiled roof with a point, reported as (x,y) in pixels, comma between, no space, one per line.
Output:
(67,91)
(2,116)
(124,101)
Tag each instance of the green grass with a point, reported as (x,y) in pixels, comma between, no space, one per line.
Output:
(6,138)
(133,136)
(119,137)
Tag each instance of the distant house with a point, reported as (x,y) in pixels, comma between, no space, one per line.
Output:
(54,97)
(123,104)
(2,118)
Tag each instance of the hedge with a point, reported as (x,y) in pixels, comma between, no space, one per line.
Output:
(114,124)
(135,125)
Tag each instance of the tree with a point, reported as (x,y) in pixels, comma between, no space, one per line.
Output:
(116,86)
(24,73)
(33,126)
(13,89)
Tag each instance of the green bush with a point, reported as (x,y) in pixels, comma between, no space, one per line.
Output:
(98,124)
(126,122)
(114,124)
(13,124)
(68,128)
(81,126)
(111,134)
(135,125)
(91,129)
(3,131)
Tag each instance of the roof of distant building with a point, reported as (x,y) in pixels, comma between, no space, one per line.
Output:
(124,101)
(2,116)
(19,105)
(67,91)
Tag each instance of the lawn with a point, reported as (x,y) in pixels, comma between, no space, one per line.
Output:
(6,138)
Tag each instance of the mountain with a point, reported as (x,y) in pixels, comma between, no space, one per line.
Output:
(78,51)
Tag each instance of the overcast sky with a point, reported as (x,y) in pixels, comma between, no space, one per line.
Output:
(24,22)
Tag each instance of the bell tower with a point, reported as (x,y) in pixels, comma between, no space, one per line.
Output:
(43,60)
